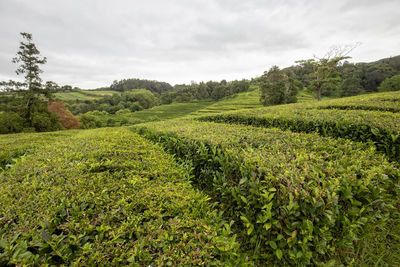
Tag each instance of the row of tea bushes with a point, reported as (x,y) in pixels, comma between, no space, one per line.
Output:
(14,146)
(380,101)
(380,106)
(108,197)
(294,198)
(381,128)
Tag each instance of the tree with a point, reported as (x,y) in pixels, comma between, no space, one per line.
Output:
(278,87)
(31,94)
(390,84)
(351,84)
(144,97)
(67,120)
(325,74)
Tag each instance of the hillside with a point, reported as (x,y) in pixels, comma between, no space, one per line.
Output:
(230,184)
(82,95)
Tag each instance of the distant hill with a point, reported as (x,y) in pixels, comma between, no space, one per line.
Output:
(129,84)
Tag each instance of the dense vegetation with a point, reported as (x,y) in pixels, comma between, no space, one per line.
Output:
(27,106)
(207,176)
(381,128)
(230,194)
(293,198)
(30,106)
(107,196)
(276,86)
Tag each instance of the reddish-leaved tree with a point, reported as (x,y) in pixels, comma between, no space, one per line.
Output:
(68,120)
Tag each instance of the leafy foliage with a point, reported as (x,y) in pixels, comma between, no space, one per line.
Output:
(107,196)
(15,146)
(381,102)
(390,84)
(11,122)
(31,97)
(278,87)
(358,125)
(129,84)
(294,198)
(68,120)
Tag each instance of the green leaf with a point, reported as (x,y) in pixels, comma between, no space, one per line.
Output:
(3,243)
(250,229)
(267,226)
(243,180)
(278,253)
(131,259)
(273,245)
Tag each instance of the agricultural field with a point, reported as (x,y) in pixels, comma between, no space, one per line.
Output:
(107,195)
(382,102)
(300,182)
(312,183)
(245,100)
(83,95)
(170,111)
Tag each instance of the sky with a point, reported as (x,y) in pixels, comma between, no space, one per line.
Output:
(91,43)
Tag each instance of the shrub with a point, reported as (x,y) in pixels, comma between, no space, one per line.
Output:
(88,121)
(45,121)
(358,125)
(123,112)
(11,122)
(68,120)
(390,84)
(108,197)
(295,199)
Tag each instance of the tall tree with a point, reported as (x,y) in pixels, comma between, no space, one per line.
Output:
(33,95)
(325,73)
(278,87)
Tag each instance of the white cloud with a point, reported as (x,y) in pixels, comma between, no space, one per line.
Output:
(93,42)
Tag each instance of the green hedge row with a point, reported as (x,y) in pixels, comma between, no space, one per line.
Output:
(295,199)
(388,101)
(381,128)
(379,107)
(108,197)
(14,146)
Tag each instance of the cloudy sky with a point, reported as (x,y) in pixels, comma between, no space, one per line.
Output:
(90,43)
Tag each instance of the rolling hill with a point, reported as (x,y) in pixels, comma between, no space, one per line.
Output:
(230,183)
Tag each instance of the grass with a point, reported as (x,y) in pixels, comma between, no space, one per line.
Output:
(83,95)
(171,111)
(245,100)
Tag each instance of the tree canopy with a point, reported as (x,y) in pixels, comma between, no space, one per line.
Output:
(29,99)
(278,87)
(390,84)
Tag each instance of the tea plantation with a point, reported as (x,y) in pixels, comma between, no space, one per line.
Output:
(291,185)
(107,196)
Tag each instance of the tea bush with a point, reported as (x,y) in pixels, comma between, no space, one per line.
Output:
(381,101)
(108,197)
(295,199)
(380,128)
(14,146)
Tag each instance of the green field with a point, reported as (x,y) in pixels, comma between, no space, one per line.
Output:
(229,183)
(243,100)
(171,111)
(83,95)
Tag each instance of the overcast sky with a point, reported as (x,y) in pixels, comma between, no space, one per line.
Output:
(90,43)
